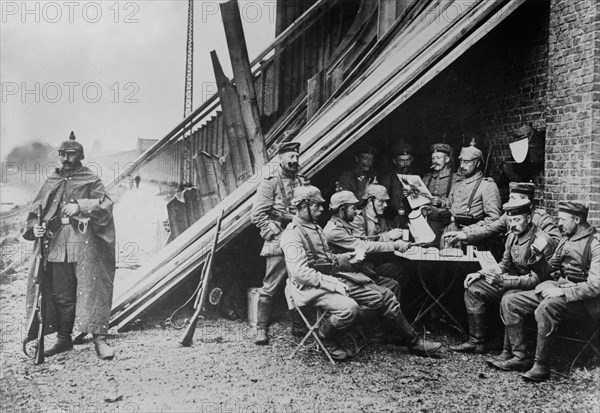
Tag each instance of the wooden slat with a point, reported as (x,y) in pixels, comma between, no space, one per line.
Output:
(244,82)
(386,16)
(314,94)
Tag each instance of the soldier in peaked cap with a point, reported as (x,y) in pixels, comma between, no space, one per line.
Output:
(571,292)
(363,172)
(518,190)
(402,161)
(271,212)
(473,199)
(79,253)
(329,281)
(484,288)
(439,183)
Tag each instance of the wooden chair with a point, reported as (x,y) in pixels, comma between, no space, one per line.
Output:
(312,329)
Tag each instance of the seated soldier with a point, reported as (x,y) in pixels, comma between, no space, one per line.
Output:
(370,225)
(329,281)
(362,174)
(572,294)
(483,288)
(518,190)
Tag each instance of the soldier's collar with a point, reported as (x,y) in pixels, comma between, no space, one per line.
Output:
(444,173)
(304,222)
(477,175)
(374,219)
(583,233)
(339,221)
(286,174)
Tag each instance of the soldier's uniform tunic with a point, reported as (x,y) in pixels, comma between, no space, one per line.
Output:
(271,212)
(340,237)
(355,181)
(439,184)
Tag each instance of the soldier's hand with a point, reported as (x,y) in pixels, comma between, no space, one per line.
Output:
(401,246)
(355,258)
(395,234)
(553,292)
(426,210)
(71,209)
(39,230)
(494,279)
(453,236)
(436,201)
(470,278)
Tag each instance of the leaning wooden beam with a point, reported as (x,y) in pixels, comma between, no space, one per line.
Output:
(386,16)
(242,72)
(234,125)
(315,94)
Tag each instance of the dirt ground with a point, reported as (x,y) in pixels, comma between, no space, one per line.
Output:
(224,372)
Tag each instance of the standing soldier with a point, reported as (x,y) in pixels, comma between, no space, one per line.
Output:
(439,183)
(473,199)
(79,255)
(329,281)
(518,190)
(483,288)
(363,173)
(573,293)
(402,159)
(271,213)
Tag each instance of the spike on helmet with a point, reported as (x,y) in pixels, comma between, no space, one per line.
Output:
(71,145)
(376,191)
(307,192)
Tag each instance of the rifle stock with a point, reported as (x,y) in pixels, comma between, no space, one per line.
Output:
(188,336)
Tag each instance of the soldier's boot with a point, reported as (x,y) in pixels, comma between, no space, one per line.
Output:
(103,350)
(415,343)
(327,333)
(519,361)
(299,328)
(63,343)
(505,355)
(475,342)
(65,318)
(540,370)
(263,319)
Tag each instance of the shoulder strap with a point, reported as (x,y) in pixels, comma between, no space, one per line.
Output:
(587,255)
(308,243)
(473,194)
(449,185)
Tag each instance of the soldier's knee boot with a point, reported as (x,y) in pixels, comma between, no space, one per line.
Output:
(477,331)
(263,319)
(506,352)
(415,343)
(63,343)
(65,318)
(540,370)
(299,329)
(520,361)
(327,334)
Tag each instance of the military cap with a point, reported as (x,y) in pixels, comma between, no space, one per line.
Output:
(360,149)
(342,198)
(440,147)
(376,191)
(517,207)
(307,192)
(402,148)
(289,147)
(470,153)
(71,145)
(573,208)
(526,188)
(525,131)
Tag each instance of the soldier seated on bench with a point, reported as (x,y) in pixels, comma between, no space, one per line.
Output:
(329,281)
(573,292)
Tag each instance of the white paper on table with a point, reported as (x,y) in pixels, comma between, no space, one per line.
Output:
(415,184)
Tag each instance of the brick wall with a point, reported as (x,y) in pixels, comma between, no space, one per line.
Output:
(573,115)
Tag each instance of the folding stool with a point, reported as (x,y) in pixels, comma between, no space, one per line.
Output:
(587,343)
(312,329)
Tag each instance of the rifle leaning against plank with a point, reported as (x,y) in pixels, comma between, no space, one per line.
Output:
(35,324)
(188,336)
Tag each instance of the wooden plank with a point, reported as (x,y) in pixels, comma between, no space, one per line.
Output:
(242,72)
(386,16)
(192,205)
(233,123)
(178,218)
(314,94)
